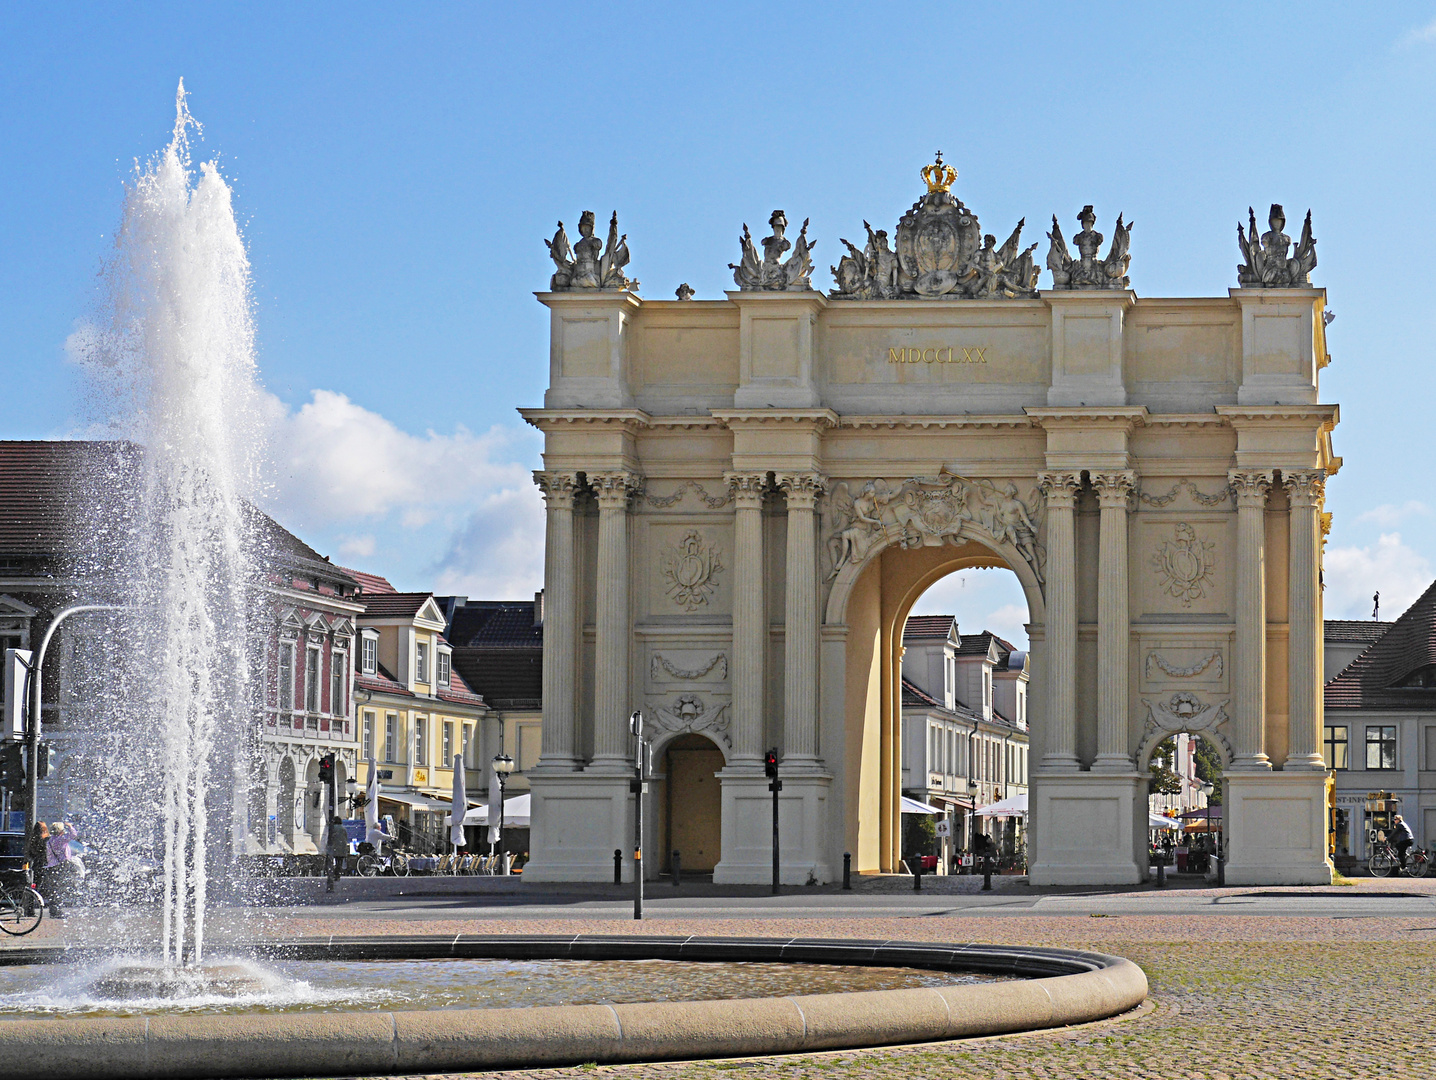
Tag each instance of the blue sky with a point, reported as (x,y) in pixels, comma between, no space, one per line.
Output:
(396,169)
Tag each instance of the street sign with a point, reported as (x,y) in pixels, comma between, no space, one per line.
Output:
(944,829)
(17,666)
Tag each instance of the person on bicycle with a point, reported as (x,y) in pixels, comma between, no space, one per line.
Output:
(336,852)
(1401,838)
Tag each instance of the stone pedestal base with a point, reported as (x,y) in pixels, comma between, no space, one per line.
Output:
(578,820)
(1275,826)
(1089,829)
(747,829)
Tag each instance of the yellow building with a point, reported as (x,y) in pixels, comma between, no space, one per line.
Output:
(415,713)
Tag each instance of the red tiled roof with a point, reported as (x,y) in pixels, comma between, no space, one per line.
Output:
(928,626)
(458,691)
(370,583)
(912,694)
(1372,680)
(394,605)
(381,682)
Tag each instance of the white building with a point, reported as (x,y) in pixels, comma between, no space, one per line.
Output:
(964,715)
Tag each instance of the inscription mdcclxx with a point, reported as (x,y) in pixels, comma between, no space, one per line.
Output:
(942,354)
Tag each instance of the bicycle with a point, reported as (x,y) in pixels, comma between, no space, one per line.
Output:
(394,864)
(1385,858)
(21,908)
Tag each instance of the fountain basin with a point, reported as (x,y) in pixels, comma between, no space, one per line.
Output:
(1048,988)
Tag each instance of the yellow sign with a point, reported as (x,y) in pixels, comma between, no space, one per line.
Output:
(421,776)
(939,354)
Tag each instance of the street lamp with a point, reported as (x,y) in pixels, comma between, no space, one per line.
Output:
(1207,788)
(503,765)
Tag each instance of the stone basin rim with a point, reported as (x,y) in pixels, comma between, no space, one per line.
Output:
(1056,987)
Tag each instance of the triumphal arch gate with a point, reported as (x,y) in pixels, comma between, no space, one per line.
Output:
(746,496)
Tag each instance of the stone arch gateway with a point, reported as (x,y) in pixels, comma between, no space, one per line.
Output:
(745,496)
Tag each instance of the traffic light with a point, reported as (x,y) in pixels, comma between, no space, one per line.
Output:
(326,769)
(42,759)
(12,766)
(770,764)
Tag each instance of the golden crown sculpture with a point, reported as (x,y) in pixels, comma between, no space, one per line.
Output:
(939,177)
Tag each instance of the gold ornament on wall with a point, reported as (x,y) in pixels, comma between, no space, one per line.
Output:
(691,571)
(1185,565)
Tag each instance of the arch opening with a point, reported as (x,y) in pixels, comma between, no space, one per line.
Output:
(690,801)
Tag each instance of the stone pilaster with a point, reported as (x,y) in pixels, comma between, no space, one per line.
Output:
(560,629)
(750,620)
(1304,490)
(612,630)
(1061,489)
(800,622)
(1249,489)
(1114,492)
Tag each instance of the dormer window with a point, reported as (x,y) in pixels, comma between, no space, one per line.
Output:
(445,667)
(369,652)
(1424,678)
(421,662)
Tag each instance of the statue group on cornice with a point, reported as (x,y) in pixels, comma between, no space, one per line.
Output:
(938,251)
(928,511)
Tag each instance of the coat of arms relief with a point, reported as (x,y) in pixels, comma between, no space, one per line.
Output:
(690,571)
(929,511)
(1184,565)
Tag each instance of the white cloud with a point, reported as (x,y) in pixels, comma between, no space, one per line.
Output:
(1354,574)
(1418,35)
(450,512)
(1389,515)
(361,547)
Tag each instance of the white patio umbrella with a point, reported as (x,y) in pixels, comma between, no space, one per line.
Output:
(461,804)
(1016,806)
(516,813)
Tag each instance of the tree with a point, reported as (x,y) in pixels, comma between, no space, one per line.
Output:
(1209,769)
(1163,781)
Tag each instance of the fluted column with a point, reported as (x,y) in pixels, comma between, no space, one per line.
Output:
(800,622)
(560,624)
(1304,490)
(1249,488)
(750,618)
(1061,489)
(611,702)
(1114,491)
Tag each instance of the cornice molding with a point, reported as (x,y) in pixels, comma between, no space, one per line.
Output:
(1128,416)
(547,419)
(964,420)
(815,419)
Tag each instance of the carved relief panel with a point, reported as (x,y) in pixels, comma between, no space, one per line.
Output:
(1182,564)
(687,567)
(686,687)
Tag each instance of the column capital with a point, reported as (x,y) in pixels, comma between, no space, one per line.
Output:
(748,488)
(1060,487)
(803,489)
(1115,488)
(1304,487)
(614,489)
(558,488)
(1249,487)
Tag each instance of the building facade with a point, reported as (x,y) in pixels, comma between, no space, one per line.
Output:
(745,496)
(964,714)
(1379,733)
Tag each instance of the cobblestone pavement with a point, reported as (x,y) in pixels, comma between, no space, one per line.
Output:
(1232,997)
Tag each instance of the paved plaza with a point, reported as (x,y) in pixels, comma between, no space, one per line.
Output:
(1322,982)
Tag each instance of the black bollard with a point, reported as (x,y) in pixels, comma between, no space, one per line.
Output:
(618,866)
(677,870)
(986,875)
(917,875)
(847,870)
(1161,875)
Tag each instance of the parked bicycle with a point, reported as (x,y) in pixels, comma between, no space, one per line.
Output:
(1385,858)
(21,907)
(373,863)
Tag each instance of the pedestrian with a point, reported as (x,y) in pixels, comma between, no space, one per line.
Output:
(1402,838)
(58,870)
(336,852)
(36,854)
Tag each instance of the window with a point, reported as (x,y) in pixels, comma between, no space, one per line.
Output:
(311,679)
(368,734)
(1381,746)
(369,654)
(391,736)
(338,669)
(420,749)
(1338,746)
(444,661)
(1431,758)
(286,676)
(448,736)
(421,662)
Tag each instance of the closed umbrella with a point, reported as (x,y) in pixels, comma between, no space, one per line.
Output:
(496,802)
(371,806)
(461,804)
